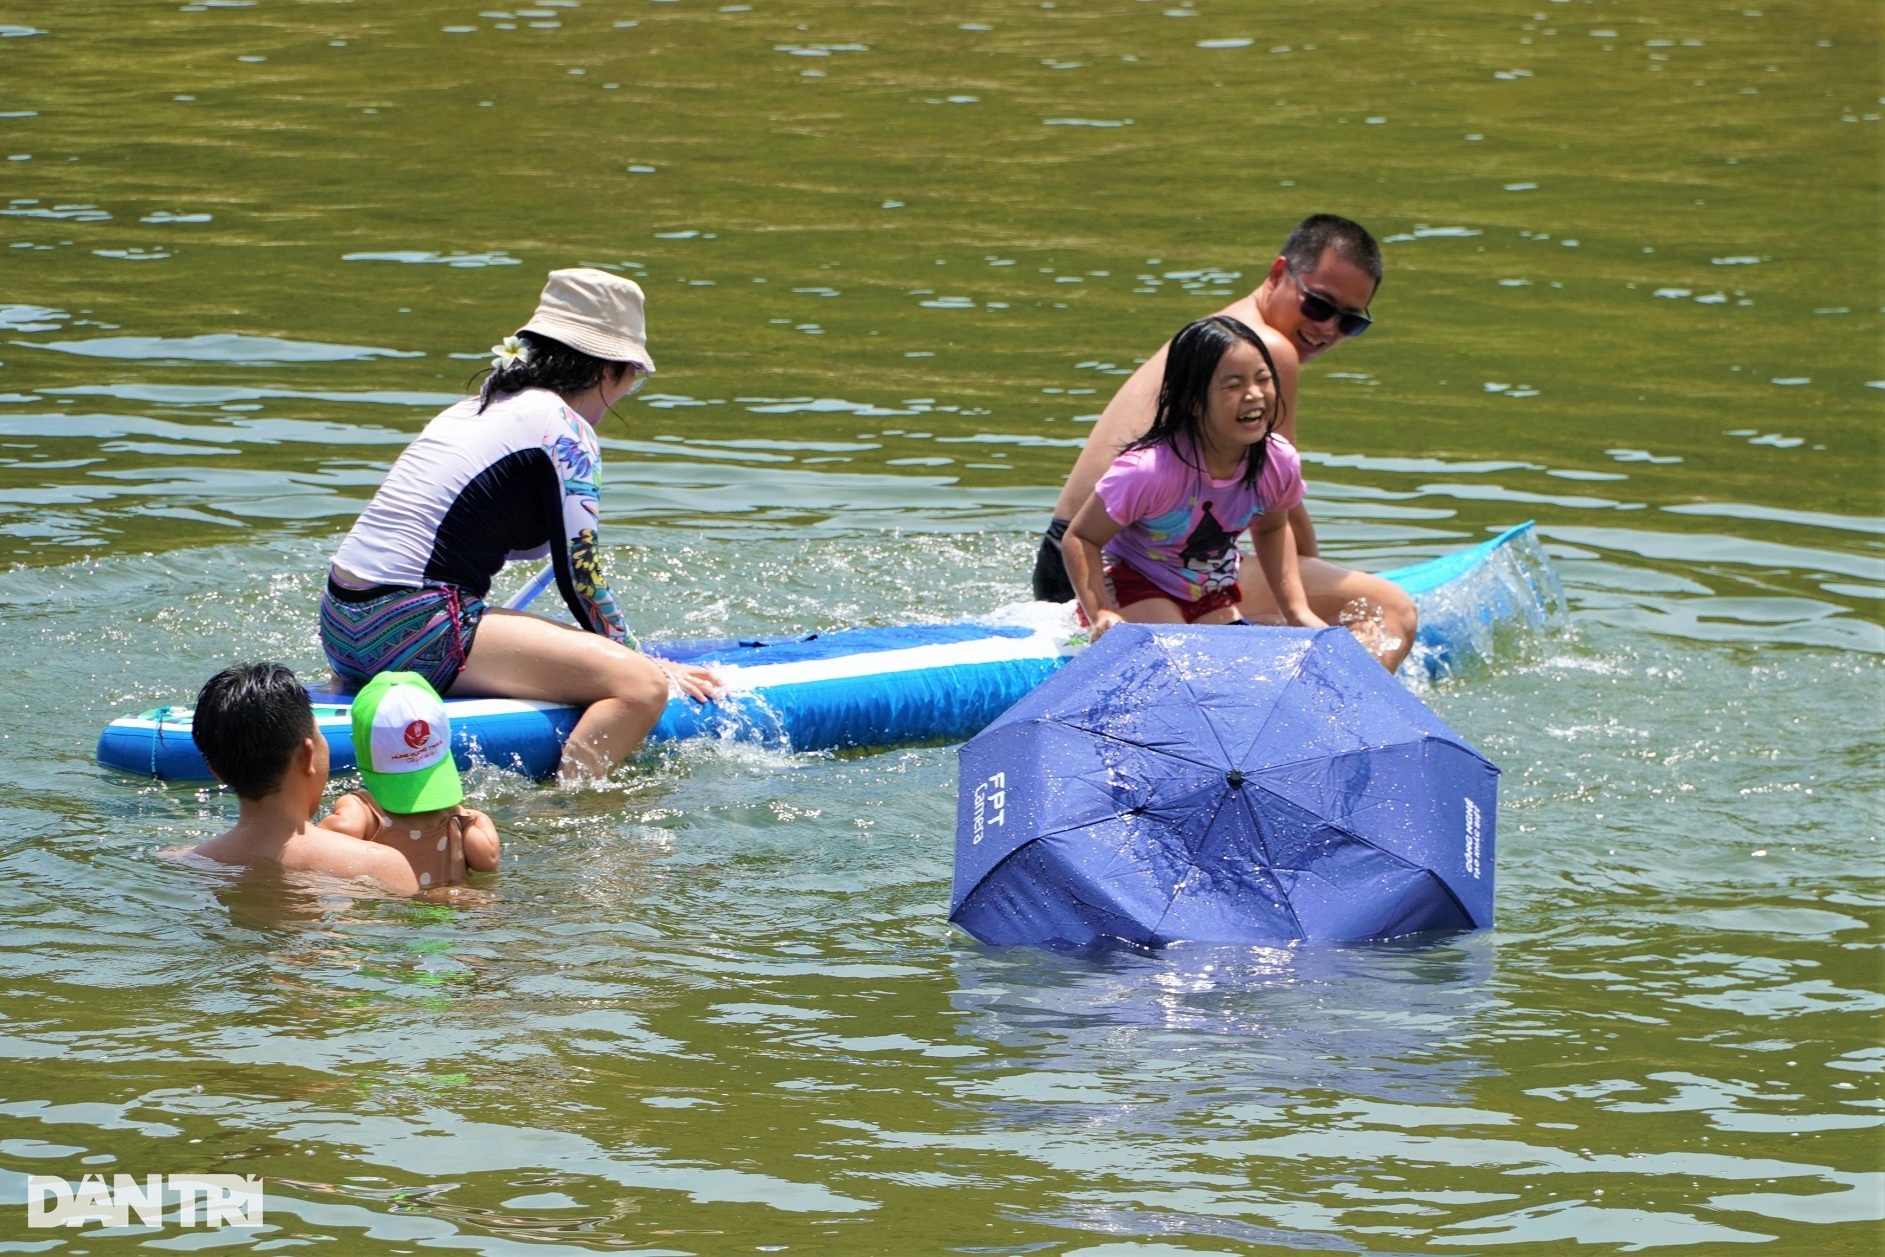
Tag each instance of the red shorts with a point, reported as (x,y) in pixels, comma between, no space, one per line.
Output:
(1129,585)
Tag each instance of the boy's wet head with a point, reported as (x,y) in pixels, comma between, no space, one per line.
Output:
(250,720)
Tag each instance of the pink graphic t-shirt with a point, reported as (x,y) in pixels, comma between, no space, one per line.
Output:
(1179,526)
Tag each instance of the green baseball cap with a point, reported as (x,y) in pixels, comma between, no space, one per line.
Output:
(402,741)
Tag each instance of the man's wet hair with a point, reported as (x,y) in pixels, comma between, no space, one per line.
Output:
(250,720)
(1318,233)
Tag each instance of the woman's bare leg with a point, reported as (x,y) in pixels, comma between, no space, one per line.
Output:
(1379,613)
(622,693)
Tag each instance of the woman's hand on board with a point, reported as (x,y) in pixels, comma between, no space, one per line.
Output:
(699,684)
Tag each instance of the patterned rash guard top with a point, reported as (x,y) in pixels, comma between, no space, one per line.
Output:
(475,491)
(1178,526)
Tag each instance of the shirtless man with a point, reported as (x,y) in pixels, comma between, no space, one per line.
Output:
(1314,297)
(256,730)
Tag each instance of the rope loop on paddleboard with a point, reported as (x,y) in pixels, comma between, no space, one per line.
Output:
(163,714)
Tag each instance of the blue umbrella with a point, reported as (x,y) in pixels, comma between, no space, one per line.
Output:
(1221,784)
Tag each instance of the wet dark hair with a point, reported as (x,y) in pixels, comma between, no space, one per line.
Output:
(548,364)
(1190,366)
(1318,233)
(250,720)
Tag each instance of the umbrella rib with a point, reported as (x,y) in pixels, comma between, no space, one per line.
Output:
(1397,858)
(1375,800)
(1310,759)
(1155,750)
(1190,864)
(1448,892)
(1277,708)
(1401,860)
(1185,681)
(1269,862)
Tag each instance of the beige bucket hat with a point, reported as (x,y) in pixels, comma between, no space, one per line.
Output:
(596,312)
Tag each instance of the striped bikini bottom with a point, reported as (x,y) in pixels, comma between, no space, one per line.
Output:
(393,628)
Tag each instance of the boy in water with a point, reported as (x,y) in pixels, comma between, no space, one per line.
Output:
(255,728)
(412,801)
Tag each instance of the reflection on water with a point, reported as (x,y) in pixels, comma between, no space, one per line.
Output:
(1258,1024)
(897,259)
(214,347)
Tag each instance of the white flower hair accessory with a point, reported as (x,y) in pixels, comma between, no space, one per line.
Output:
(509,352)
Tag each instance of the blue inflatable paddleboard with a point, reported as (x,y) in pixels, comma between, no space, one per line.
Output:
(875,687)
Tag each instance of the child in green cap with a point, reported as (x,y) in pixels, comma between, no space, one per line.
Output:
(412,801)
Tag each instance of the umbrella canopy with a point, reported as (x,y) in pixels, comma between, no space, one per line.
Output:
(1221,784)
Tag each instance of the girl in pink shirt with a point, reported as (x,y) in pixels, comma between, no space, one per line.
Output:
(1157,541)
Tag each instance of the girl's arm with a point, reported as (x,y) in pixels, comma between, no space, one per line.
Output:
(1277,556)
(1303,532)
(481,843)
(1091,529)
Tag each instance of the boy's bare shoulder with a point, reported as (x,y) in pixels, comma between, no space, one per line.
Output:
(323,851)
(311,850)
(204,855)
(227,848)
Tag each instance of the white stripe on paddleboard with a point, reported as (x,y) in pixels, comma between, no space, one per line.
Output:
(472,707)
(749,677)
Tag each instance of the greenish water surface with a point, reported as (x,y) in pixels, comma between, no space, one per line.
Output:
(897,258)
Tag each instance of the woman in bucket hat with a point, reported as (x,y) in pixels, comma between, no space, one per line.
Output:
(512,474)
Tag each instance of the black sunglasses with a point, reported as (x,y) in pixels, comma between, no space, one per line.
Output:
(1319,309)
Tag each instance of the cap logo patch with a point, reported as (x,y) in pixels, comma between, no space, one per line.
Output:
(409,731)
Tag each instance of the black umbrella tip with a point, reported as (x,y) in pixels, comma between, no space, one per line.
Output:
(1233,778)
